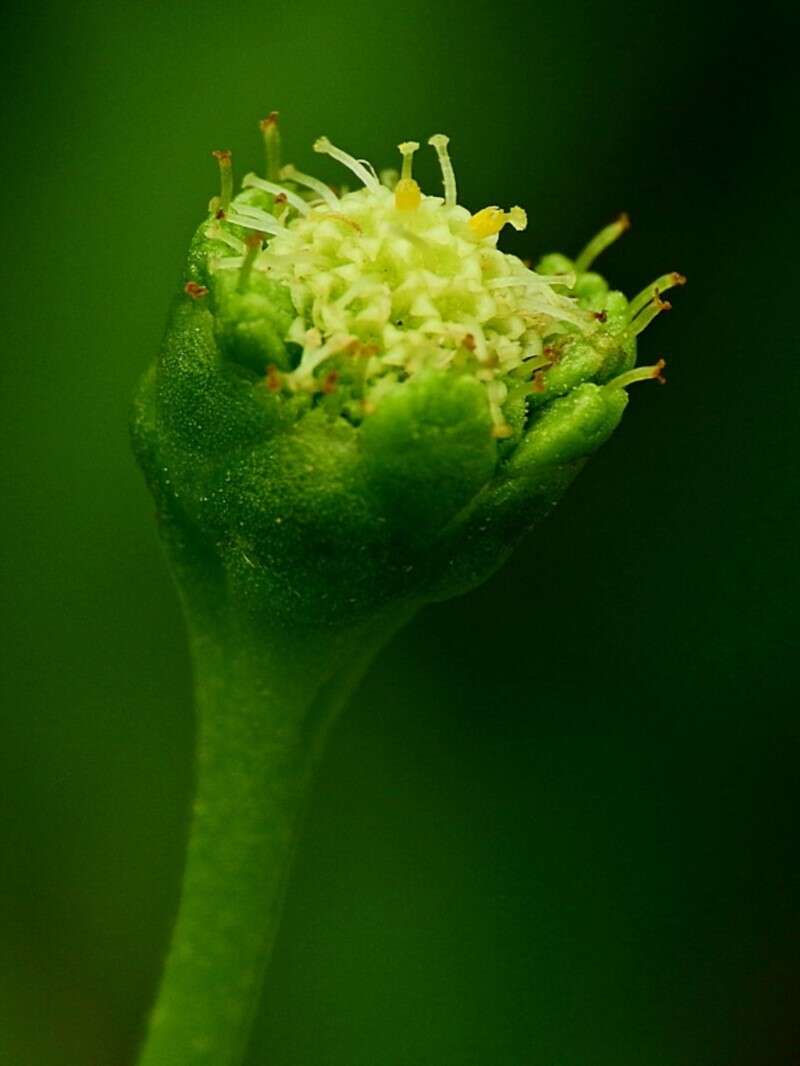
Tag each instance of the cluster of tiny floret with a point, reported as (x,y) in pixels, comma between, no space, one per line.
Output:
(387,282)
(401,281)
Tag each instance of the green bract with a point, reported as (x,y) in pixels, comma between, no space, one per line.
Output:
(360,399)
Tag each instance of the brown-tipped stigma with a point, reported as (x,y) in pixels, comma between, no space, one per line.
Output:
(651,310)
(196,291)
(639,373)
(223,157)
(653,292)
(601,241)
(272,145)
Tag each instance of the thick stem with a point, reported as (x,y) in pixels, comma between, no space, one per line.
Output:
(262,718)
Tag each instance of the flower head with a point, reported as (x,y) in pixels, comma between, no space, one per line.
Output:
(362,398)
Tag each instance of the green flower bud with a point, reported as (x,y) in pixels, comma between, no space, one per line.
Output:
(362,401)
(360,405)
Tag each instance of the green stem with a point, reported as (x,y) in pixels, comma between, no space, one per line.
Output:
(263,714)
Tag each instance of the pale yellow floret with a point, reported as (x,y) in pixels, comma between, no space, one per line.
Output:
(490,221)
(407,194)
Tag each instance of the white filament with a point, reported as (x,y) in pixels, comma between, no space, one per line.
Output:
(253,181)
(324,146)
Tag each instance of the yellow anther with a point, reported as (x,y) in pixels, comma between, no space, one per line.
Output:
(490,220)
(407,195)
(487,222)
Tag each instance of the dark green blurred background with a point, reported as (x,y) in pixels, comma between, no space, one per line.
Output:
(558,826)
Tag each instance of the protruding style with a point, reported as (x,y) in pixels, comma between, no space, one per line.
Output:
(407,193)
(601,241)
(440,141)
(223,157)
(324,147)
(271,133)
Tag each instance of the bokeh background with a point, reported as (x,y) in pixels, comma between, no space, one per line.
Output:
(558,826)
